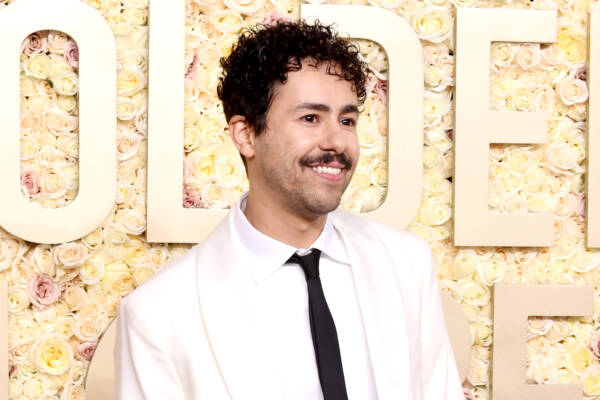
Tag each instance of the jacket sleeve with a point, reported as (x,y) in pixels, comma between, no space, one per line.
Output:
(440,373)
(143,368)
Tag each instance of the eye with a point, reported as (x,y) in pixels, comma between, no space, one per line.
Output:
(348,122)
(309,118)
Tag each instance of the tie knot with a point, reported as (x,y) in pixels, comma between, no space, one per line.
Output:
(309,263)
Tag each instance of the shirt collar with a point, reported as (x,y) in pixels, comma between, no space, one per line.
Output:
(266,255)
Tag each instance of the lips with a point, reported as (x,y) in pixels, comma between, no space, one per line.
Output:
(330,172)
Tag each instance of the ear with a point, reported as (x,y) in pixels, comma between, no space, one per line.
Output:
(242,135)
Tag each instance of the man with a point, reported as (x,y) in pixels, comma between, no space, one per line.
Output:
(289,297)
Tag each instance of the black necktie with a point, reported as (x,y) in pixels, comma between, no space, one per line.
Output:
(322,328)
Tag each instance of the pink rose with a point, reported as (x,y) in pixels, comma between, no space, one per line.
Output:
(72,54)
(273,18)
(581,205)
(31,182)
(381,88)
(35,44)
(581,73)
(86,350)
(468,390)
(191,199)
(190,71)
(595,345)
(372,81)
(43,291)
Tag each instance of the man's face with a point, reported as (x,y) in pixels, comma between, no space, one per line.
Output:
(305,157)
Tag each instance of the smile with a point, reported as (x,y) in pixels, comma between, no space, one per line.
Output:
(329,173)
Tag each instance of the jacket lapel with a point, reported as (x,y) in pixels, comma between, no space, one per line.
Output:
(381,305)
(224,288)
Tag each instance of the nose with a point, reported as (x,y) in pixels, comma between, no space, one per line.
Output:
(334,137)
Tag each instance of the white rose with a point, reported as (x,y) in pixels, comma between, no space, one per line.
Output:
(528,55)
(57,41)
(491,271)
(87,329)
(18,299)
(127,145)
(434,211)
(114,234)
(132,220)
(60,122)
(474,294)
(53,183)
(71,254)
(502,53)
(38,66)
(562,156)
(67,83)
(433,24)
(572,91)
(478,372)
(247,7)
(91,271)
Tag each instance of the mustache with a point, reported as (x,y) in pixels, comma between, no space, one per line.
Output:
(326,158)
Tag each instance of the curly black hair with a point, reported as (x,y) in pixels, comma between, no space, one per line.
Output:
(265,54)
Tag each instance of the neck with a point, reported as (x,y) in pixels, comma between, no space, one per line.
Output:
(275,220)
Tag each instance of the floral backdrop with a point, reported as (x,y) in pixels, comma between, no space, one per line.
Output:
(62,297)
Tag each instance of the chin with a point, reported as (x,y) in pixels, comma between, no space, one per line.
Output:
(317,206)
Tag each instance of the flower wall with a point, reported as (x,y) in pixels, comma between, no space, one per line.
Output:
(62,297)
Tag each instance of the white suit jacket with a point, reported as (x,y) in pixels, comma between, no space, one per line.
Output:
(188,333)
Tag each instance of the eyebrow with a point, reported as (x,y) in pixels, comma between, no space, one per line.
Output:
(349,108)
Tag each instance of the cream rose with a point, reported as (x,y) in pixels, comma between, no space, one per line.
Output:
(91,271)
(59,122)
(118,278)
(591,381)
(474,294)
(67,83)
(130,81)
(57,41)
(114,234)
(247,7)
(434,211)
(52,355)
(58,66)
(502,53)
(127,145)
(478,372)
(74,296)
(38,66)
(572,91)
(42,259)
(433,24)
(491,271)
(142,274)
(87,329)
(132,221)
(18,299)
(70,255)
(528,55)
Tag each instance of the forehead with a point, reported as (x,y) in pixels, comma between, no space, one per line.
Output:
(315,85)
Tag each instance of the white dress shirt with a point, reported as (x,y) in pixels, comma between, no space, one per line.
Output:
(280,307)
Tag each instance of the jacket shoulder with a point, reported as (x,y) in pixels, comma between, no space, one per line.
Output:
(394,238)
(165,291)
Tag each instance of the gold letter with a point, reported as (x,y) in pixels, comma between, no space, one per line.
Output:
(513,304)
(97,121)
(477,127)
(167,219)
(593,184)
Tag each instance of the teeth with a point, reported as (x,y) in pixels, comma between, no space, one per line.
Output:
(327,170)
